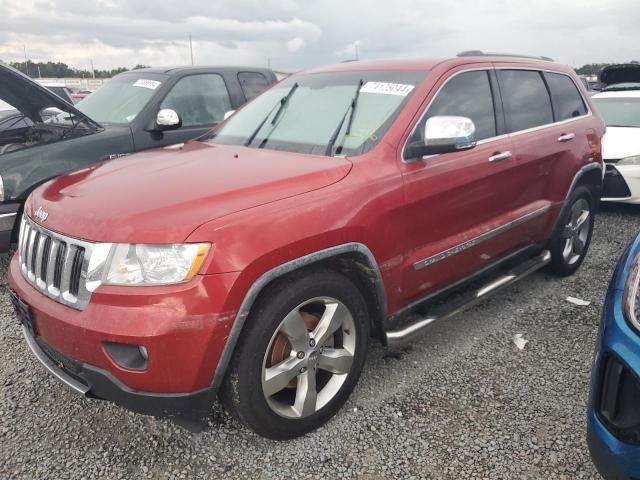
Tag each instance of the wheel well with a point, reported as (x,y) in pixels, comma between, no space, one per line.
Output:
(592,179)
(356,267)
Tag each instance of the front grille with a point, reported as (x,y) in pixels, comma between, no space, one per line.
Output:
(54,264)
(614,184)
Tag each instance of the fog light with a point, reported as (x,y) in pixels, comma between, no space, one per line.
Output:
(131,357)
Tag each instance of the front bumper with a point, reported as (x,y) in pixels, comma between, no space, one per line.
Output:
(614,407)
(621,183)
(8,217)
(182,328)
(98,383)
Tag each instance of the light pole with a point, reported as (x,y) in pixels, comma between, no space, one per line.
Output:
(26,64)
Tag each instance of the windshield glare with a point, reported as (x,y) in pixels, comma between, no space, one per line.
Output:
(121,99)
(316,108)
(619,112)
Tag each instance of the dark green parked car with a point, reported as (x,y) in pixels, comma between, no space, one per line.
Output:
(44,136)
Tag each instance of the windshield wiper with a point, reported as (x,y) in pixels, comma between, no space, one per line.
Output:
(283,102)
(352,109)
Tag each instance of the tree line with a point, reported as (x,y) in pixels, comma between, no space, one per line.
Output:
(594,68)
(62,70)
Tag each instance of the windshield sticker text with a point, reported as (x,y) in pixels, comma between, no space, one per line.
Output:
(150,84)
(386,88)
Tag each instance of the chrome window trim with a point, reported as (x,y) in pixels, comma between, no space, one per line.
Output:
(504,135)
(546,70)
(420,264)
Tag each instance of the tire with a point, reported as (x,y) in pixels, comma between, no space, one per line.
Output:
(570,241)
(288,317)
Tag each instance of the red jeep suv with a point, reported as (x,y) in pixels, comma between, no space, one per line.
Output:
(367,199)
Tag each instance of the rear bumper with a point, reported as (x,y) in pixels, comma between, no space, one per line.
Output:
(98,383)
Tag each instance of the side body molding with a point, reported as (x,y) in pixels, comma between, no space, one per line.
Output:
(281,270)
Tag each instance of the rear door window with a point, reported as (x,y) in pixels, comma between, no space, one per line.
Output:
(466,95)
(252,83)
(567,101)
(200,100)
(525,98)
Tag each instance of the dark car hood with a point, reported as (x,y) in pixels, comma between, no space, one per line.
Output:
(622,73)
(161,196)
(30,97)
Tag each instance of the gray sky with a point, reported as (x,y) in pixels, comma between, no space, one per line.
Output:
(296,34)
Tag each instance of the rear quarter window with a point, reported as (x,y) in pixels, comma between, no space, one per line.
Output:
(526,99)
(567,101)
(252,83)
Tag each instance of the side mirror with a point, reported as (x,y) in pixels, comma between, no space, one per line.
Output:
(444,134)
(167,119)
(228,114)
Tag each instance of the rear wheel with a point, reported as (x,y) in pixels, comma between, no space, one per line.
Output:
(300,355)
(570,242)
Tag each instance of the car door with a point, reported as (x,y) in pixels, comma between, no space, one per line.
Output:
(460,212)
(201,100)
(544,140)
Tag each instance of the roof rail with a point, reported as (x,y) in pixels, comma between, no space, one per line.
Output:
(480,53)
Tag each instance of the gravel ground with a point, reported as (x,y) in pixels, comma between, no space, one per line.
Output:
(462,403)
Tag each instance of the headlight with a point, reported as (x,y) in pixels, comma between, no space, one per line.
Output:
(128,264)
(1,190)
(632,294)
(634,160)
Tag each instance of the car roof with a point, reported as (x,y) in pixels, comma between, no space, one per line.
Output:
(192,69)
(427,64)
(618,94)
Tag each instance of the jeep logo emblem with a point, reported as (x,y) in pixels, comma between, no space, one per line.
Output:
(41,214)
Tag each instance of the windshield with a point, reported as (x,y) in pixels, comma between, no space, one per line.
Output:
(619,112)
(306,117)
(122,98)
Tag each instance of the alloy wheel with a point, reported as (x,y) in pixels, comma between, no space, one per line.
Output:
(576,233)
(309,357)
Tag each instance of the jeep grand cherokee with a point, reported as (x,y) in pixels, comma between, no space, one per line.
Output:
(368,199)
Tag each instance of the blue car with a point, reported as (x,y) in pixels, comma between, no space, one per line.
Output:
(614,407)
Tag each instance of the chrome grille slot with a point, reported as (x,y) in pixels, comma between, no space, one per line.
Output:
(76,267)
(54,264)
(59,265)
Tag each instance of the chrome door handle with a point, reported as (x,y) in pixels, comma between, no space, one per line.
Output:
(500,156)
(566,137)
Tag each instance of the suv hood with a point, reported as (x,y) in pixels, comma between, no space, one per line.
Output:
(622,73)
(29,97)
(161,196)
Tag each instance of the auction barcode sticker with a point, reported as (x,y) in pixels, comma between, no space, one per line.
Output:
(385,88)
(150,84)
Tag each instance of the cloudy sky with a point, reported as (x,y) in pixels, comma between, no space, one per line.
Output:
(295,34)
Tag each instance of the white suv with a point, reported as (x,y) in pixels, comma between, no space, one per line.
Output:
(620,108)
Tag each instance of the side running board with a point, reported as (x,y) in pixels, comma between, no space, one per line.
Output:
(397,338)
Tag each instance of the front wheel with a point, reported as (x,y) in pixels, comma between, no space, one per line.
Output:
(300,355)
(570,242)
